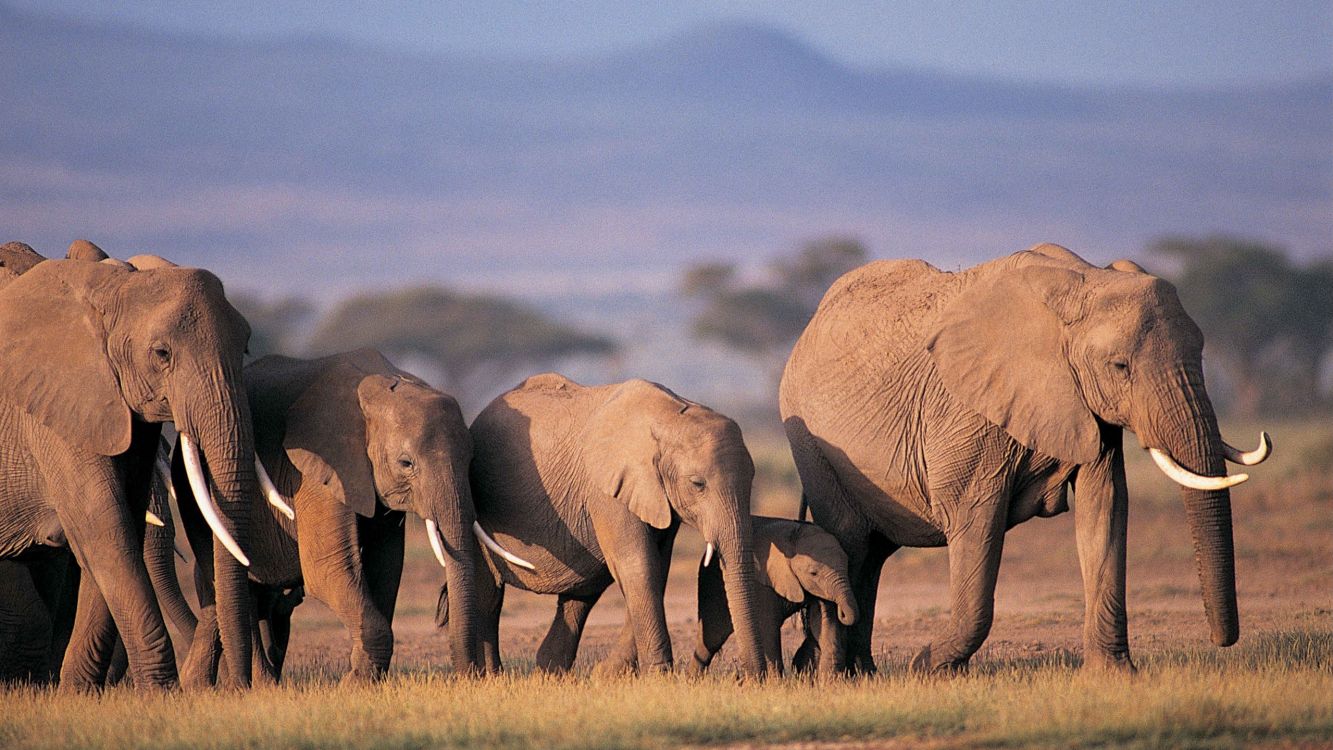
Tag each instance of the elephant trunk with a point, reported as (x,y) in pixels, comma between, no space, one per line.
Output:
(221,425)
(845,598)
(159,547)
(735,546)
(454,515)
(1189,433)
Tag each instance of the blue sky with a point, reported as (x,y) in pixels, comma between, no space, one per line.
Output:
(1179,43)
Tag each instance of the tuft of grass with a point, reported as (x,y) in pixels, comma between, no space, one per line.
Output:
(1275,688)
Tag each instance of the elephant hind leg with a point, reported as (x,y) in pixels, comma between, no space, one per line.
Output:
(561,644)
(974,567)
(25,626)
(837,513)
(201,664)
(865,569)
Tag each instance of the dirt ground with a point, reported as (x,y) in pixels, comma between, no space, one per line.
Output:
(1284,542)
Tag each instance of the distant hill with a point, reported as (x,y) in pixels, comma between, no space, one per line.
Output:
(327,166)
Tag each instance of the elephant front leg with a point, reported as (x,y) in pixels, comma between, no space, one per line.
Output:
(1101,515)
(824,648)
(715,625)
(561,643)
(974,566)
(333,569)
(634,555)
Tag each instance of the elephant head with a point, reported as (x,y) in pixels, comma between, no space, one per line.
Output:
(375,435)
(17,258)
(1050,348)
(92,348)
(664,456)
(802,560)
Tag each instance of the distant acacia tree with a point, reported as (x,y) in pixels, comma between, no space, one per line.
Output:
(1267,321)
(764,319)
(472,339)
(275,325)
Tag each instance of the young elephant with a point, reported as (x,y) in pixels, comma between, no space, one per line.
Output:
(591,484)
(802,567)
(355,443)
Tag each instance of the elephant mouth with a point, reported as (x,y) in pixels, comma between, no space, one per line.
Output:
(1186,478)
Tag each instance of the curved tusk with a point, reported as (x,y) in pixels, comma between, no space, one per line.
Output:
(1250,458)
(433,534)
(153,518)
(204,499)
(275,498)
(708,554)
(164,473)
(495,547)
(1186,478)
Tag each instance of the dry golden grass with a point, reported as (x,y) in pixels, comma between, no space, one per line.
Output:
(1277,687)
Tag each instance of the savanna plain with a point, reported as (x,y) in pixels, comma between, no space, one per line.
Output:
(1024,688)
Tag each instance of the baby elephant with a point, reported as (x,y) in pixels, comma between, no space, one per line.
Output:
(800,566)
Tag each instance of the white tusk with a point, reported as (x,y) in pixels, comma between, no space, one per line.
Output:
(153,518)
(708,554)
(275,498)
(164,472)
(1250,458)
(195,471)
(495,547)
(433,534)
(1186,478)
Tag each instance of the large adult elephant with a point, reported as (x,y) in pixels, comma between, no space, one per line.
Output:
(927,408)
(355,443)
(93,359)
(590,484)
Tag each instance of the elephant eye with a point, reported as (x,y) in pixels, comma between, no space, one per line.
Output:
(161,353)
(405,463)
(698,482)
(1120,365)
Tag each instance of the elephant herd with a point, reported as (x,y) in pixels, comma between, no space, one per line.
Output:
(923,408)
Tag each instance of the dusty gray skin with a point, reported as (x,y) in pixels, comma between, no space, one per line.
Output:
(352,443)
(93,359)
(927,408)
(589,485)
(801,568)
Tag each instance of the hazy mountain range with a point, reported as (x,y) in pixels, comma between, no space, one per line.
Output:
(314,163)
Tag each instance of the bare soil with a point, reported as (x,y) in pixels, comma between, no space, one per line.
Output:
(1284,543)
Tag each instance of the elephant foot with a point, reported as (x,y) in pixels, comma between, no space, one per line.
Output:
(615,665)
(806,657)
(862,665)
(362,676)
(552,667)
(1109,663)
(699,662)
(924,664)
(660,668)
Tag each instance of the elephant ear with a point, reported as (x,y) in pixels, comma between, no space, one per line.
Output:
(622,456)
(53,356)
(825,552)
(774,571)
(998,348)
(326,438)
